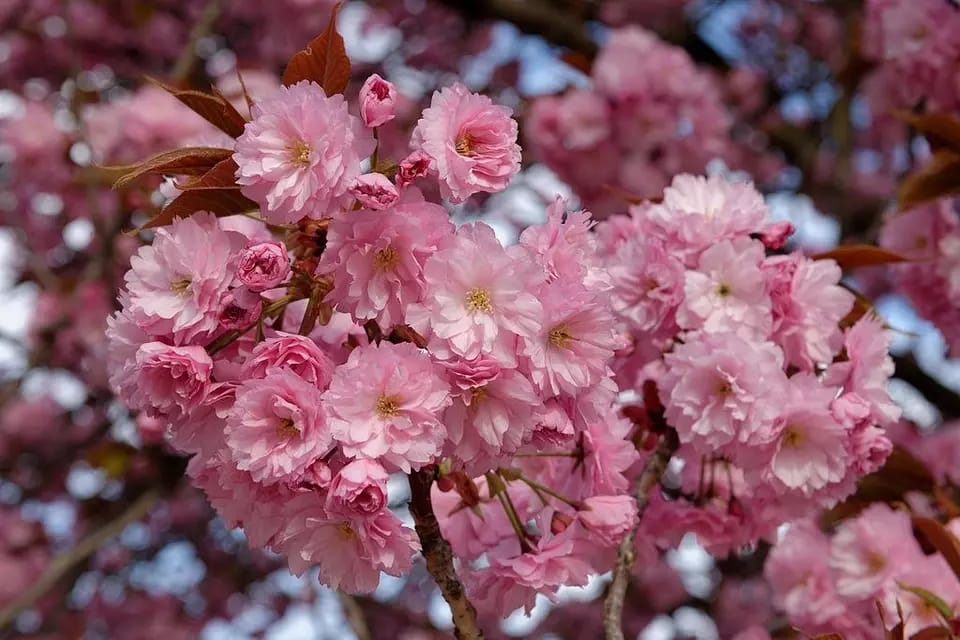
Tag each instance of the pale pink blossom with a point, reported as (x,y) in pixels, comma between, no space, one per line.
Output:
(359,488)
(168,381)
(808,304)
(176,286)
(377,259)
(868,552)
(726,292)
(471,141)
(563,244)
(647,285)
(575,342)
(277,427)
(263,266)
(609,517)
(374,191)
(290,351)
(300,153)
(868,368)
(385,403)
(378,101)
(721,389)
(492,419)
(480,298)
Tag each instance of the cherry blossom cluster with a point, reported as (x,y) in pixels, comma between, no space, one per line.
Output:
(650,114)
(498,353)
(861,577)
(778,409)
(929,235)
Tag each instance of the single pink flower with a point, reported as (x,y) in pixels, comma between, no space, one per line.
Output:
(478,298)
(378,101)
(177,285)
(563,244)
(359,488)
(277,427)
(168,381)
(576,340)
(300,153)
(609,517)
(289,351)
(377,259)
(374,191)
(471,141)
(263,266)
(647,285)
(726,292)
(385,403)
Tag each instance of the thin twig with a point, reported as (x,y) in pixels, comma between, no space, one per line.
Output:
(354,615)
(439,557)
(60,565)
(649,479)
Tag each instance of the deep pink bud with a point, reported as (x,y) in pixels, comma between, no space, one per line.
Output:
(775,235)
(378,101)
(374,191)
(263,266)
(416,165)
(241,308)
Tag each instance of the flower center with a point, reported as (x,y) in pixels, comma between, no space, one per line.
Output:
(477,394)
(876,562)
(180,286)
(286,428)
(387,406)
(560,337)
(724,290)
(479,300)
(299,153)
(386,259)
(345,531)
(465,145)
(724,387)
(792,437)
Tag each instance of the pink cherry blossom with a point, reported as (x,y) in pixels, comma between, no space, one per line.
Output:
(726,291)
(241,309)
(359,488)
(414,166)
(378,259)
(176,286)
(378,101)
(471,142)
(374,191)
(277,427)
(563,244)
(167,381)
(609,517)
(263,266)
(297,353)
(481,298)
(300,153)
(647,285)
(385,403)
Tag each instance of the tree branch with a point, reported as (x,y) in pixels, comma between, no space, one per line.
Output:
(188,57)
(439,557)
(354,615)
(649,479)
(69,559)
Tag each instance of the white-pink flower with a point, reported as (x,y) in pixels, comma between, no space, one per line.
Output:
(277,428)
(609,517)
(385,402)
(868,368)
(726,291)
(478,298)
(563,244)
(300,153)
(471,141)
(176,286)
(647,285)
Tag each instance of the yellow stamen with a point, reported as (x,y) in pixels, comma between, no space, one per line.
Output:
(286,429)
(560,337)
(386,259)
(345,531)
(464,145)
(299,152)
(792,437)
(180,286)
(479,300)
(387,407)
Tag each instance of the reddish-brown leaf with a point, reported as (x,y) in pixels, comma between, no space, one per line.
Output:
(938,178)
(932,633)
(852,256)
(828,636)
(861,307)
(941,130)
(190,161)
(221,202)
(324,60)
(941,539)
(578,61)
(215,109)
(221,176)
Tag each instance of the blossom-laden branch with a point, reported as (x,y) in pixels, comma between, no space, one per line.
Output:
(648,481)
(69,559)
(439,557)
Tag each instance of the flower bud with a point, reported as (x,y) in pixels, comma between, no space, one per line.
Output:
(374,191)
(263,266)
(378,101)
